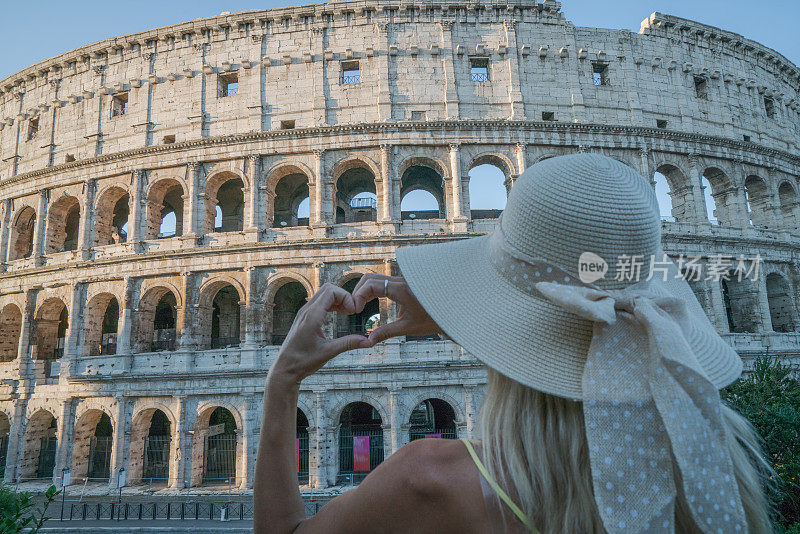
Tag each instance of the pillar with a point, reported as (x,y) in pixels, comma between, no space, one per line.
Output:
(515,100)
(385,202)
(39,228)
(74,343)
(137,204)
(121,435)
(395,440)
(15,436)
(318,205)
(470,414)
(457,213)
(125,329)
(5,233)
(187,315)
(26,331)
(317,471)
(763,305)
(86,231)
(193,203)
(66,425)
(448,67)
(697,212)
(522,161)
(252,221)
(178,476)
(720,317)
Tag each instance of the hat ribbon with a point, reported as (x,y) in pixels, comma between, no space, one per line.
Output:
(645,395)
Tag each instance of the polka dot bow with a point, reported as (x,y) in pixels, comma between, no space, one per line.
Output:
(646,400)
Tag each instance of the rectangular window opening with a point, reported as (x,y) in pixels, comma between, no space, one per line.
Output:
(119,104)
(600,73)
(169,139)
(287,125)
(479,69)
(417,115)
(228,84)
(661,124)
(769,106)
(548,116)
(33,128)
(701,87)
(351,72)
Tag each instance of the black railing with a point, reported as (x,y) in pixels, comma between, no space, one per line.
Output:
(156,457)
(421,433)
(364,202)
(351,78)
(232,510)
(302,468)
(480,76)
(220,458)
(347,473)
(163,339)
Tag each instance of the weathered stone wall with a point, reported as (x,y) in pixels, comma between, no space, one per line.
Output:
(83,203)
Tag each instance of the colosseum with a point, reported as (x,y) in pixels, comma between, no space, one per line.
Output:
(170,199)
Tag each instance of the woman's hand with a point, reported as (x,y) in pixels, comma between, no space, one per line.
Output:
(412,319)
(306,348)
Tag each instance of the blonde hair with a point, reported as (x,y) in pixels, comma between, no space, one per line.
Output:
(535,443)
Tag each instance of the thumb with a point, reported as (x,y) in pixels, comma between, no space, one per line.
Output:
(393,329)
(345,343)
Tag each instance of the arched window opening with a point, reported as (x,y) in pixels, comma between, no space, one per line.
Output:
(111,219)
(219,465)
(360,442)
(788,201)
(418,186)
(156,453)
(5,431)
(288,300)
(291,192)
(757,196)
(357,323)
(101,320)
(229,198)
(10,325)
(433,418)
(741,304)
(62,225)
(164,321)
(225,326)
(664,197)
(720,197)
(41,442)
(301,450)
(50,337)
(487,191)
(356,200)
(22,234)
(92,444)
(165,210)
(781,307)
(711,204)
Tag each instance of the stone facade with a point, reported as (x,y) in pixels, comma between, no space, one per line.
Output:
(130,343)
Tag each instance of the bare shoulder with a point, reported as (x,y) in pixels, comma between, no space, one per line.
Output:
(429,485)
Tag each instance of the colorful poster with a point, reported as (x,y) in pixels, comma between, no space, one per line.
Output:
(297,454)
(437,436)
(360,453)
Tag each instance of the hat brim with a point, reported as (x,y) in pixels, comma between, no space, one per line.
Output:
(528,338)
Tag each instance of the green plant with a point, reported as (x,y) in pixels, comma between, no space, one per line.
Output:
(18,512)
(769,397)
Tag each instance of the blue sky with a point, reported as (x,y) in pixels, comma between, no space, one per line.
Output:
(35,30)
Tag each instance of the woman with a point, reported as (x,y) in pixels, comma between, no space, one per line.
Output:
(602,411)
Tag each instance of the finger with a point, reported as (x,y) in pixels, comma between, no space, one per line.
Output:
(384,332)
(367,281)
(375,288)
(342,344)
(332,298)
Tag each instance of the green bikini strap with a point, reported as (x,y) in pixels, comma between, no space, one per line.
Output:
(497,489)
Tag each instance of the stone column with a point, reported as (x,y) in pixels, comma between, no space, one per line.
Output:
(515,100)
(74,343)
(25,334)
(318,205)
(317,470)
(697,212)
(86,231)
(718,306)
(448,66)
(137,212)
(193,203)
(5,234)
(247,464)
(187,315)
(40,227)
(65,430)
(470,414)
(121,442)
(763,304)
(394,419)
(15,434)
(522,160)
(182,447)
(252,221)
(645,165)
(457,213)
(125,329)
(385,201)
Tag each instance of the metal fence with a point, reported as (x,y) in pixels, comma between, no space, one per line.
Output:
(100,457)
(47,457)
(220,458)
(302,468)
(156,457)
(3,452)
(347,474)
(163,339)
(444,433)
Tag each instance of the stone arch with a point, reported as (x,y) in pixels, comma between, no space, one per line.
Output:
(487,167)
(428,175)
(154,328)
(220,311)
(679,192)
(224,190)
(217,451)
(361,424)
(101,324)
(21,238)
(40,444)
(51,322)
(781,304)
(286,295)
(287,187)
(112,210)
(357,323)
(722,195)
(355,190)
(93,439)
(416,398)
(740,298)
(164,196)
(5,434)
(10,329)
(63,225)
(152,444)
(787,197)
(433,417)
(758,201)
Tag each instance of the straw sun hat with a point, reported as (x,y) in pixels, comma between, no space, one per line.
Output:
(549,300)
